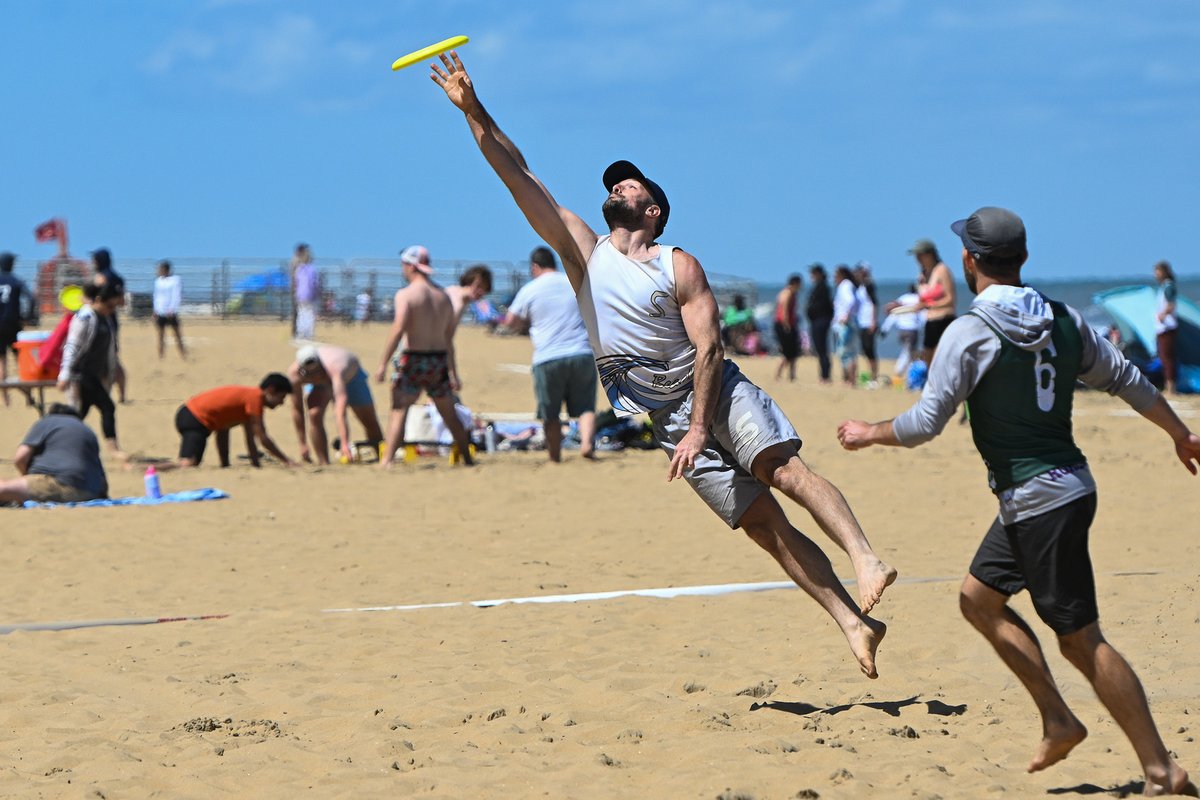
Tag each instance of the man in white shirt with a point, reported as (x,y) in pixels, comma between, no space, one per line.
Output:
(168,297)
(564,368)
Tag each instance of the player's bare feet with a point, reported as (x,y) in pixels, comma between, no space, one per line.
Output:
(873,577)
(1176,783)
(864,640)
(1056,744)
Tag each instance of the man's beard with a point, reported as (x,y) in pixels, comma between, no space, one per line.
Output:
(621,213)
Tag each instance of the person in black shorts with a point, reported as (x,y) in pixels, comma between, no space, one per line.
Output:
(226,407)
(168,298)
(1015,358)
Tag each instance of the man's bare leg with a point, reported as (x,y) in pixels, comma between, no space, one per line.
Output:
(370,422)
(162,342)
(1014,641)
(316,432)
(395,432)
(587,434)
(445,407)
(779,466)
(807,565)
(179,343)
(552,428)
(1121,692)
(14,491)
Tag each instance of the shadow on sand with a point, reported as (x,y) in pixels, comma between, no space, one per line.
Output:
(889,707)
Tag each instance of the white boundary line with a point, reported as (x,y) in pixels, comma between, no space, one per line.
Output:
(709,590)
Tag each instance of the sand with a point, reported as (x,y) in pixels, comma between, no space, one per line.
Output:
(734,696)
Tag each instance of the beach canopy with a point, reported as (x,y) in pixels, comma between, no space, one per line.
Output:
(263,282)
(1133,309)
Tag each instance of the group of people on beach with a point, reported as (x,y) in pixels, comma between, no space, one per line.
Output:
(846,319)
(654,335)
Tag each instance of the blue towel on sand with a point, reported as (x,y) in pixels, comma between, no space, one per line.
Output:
(190,496)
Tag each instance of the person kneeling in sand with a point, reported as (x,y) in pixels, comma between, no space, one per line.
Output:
(218,410)
(328,373)
(425,322)
(59,462)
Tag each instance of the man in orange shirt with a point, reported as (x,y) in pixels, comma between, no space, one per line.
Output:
(218,410)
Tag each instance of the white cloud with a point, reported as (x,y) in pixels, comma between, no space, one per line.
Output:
(257,59)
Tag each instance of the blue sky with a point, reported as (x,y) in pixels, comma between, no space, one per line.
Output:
(783,132)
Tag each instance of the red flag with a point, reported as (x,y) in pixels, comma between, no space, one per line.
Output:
(48,231)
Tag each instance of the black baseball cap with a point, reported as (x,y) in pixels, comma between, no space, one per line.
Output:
(623,170)
(993,232)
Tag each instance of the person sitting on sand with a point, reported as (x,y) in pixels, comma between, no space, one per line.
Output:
(218,410)
(58,461)
(425,323)
(326,373)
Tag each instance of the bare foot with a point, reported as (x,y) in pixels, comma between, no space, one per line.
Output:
(873,577)
(1177,783)
(864,641)
(1056,744)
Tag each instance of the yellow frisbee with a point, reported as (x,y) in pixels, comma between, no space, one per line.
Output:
(71,297)
(427,52)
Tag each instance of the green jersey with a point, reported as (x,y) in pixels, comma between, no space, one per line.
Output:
(1020,410)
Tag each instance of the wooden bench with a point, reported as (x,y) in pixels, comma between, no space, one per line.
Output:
(27,388)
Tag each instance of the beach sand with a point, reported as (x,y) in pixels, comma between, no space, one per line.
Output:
(750,695)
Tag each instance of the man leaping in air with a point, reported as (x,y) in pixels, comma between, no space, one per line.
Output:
(652,321)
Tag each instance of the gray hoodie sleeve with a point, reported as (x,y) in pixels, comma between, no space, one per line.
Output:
(1103,367)
(967,351)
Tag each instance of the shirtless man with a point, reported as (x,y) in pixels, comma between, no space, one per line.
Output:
(473,285)
(652,321)
(425,323)
(936,290)
(321,374)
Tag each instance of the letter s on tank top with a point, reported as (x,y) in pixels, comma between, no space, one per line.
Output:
(643,353)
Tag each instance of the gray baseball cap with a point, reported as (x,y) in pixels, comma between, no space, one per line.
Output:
(992,231)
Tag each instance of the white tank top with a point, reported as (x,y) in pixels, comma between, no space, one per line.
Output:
(643,353)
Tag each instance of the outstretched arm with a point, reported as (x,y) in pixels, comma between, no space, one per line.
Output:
(1187,444)
(563,230)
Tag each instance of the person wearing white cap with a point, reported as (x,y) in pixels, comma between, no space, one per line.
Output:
(324,374)
(424,323)
(652,325)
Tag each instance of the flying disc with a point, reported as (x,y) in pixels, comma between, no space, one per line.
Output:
(427,52)
(71,297)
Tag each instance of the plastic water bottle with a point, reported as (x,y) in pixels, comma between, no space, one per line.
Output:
(489,438)
(153,489)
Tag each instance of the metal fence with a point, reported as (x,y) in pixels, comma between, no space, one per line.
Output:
(260,287)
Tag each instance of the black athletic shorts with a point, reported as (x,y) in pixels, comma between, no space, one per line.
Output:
(165,321)
(934,328)
(8,336)
(1048,555)
(867,338)
(193,435)
(789,341)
